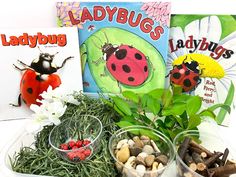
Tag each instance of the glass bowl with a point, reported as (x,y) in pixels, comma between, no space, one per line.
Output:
(77,140)
(163,144)
(208,140)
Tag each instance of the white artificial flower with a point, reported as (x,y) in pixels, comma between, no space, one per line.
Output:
(209,28)
(53,106)
(59,93)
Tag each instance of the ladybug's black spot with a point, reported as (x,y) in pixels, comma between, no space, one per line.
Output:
(24,101)
(176,75)
(187,72)
(145,68)
(187,83)
(138,56)
(130,79)
(30,90)
(121,54)
(113,67)
(38,78)
(196,78)
(179,66)
(126,68)
(130,46)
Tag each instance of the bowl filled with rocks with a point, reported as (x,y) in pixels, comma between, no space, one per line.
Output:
(77,140)
(141,151)
(202,154)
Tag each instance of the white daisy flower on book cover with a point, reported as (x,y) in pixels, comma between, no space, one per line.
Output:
(202,58)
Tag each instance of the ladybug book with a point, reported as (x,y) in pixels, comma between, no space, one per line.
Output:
(34,61)
(123,46)
(202,58)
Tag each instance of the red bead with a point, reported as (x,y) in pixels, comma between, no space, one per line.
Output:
(79,143)
(71,144)
(87,152)
(86,142)
(64,147)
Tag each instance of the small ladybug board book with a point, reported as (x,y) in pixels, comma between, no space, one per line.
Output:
(123,46)
(33,61)
(202,58)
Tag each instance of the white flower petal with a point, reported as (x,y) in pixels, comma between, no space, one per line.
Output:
(192,29)
(35,108)
(176,33)
(208,27)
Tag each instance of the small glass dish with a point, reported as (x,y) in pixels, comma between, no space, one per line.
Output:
(76,140)
(209,141)
(162,142)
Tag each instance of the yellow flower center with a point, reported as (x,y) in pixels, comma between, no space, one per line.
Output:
(208,67)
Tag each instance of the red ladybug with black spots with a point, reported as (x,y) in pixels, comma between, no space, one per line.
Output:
(37,77)
(186,75)
(126,64)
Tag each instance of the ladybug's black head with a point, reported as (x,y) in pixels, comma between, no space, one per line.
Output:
(108,49)
(193,66)
(46,57)
(44,64)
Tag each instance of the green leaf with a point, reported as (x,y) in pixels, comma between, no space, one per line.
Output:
(123,124)
(122,105)
(223,106)
(193,105)
(160,123)
(208,113)
(167,98)
(157,93)
(118,110)
(180,121)
(144,99)
(174,132)
(181,98)
(175,109)
(106,101)
(149,133)
(169,122)
(178,108)
(153,105)
(177,90)
(228,101)
(194,121)
(130,119)
(131,96)
(184,117)
(145,119)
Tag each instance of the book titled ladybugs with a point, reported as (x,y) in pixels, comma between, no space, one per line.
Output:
(34,61)
(202,58)
(123,46)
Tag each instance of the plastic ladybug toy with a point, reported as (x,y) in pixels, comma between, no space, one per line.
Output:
(125,63)
(37,77)
(186,75)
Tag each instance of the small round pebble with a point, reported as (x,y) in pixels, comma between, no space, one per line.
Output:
(148,149)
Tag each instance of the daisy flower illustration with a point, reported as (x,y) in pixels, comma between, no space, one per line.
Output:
(216,61)
(62,13)
(158,11)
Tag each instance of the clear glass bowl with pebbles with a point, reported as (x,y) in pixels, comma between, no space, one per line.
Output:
(141,151)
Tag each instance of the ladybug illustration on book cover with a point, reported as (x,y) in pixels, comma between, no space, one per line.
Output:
(37,77)
(123,46)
